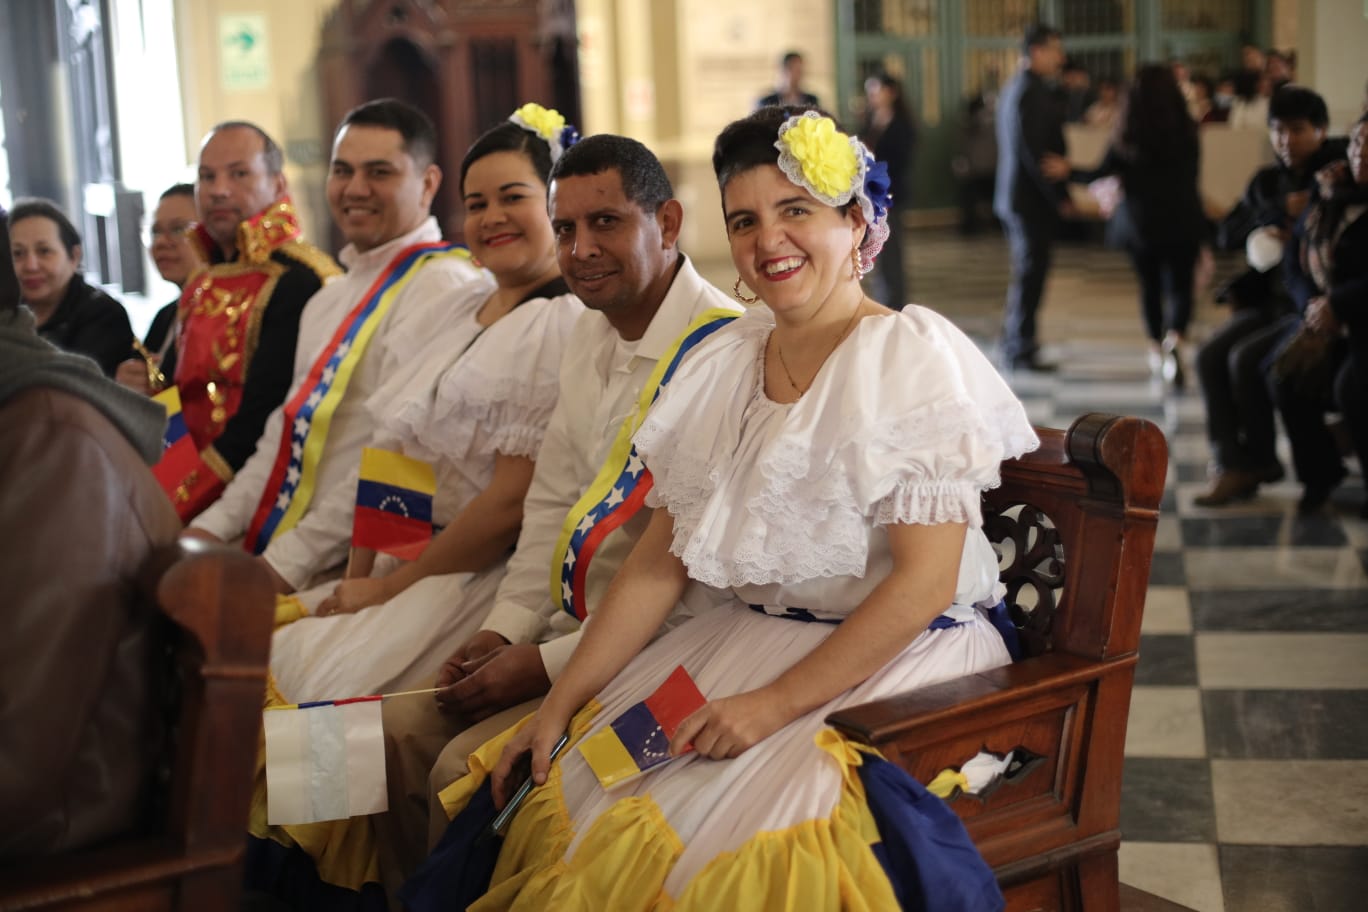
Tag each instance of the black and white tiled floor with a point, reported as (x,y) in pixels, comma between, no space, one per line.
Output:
(1246,781)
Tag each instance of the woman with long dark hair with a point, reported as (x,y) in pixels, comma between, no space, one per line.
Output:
(1155,153)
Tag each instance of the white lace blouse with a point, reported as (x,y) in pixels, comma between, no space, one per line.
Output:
(496,396)
(786,504)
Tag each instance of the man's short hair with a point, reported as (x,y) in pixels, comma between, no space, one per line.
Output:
(35,207)
(1038,35)
(178,190)
(1294,102)
(271,153)
(789,57)
(644,181)
(412,125)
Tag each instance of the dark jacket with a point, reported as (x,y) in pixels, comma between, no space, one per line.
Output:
(1030,123)
(1161,205)
(90,322)
(1344,234)
(895,145)
(1263,201)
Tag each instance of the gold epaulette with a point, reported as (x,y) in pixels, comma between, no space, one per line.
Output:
(324,266)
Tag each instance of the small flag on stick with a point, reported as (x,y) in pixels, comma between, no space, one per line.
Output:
(640,738)
(179,457)
(324,761)
(393,504)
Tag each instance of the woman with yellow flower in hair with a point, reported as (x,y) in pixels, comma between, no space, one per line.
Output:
(837,516)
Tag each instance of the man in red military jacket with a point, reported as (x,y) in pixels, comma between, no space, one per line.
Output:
(239,318)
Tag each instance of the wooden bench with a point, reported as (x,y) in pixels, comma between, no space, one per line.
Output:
(222,606)
(1074,523)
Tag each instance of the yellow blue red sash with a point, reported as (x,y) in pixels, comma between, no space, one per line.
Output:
(619,490)
(308,414)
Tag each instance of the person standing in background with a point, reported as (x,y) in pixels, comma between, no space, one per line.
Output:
(1031,194)
(891,133)
(1155,153)
(789,86)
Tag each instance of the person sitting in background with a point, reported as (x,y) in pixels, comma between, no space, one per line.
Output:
(9,285)
(1249,106)
(239,318)
(1159,220)
(80,515)
(1327,269)
(891,134)
(1076,85)
(176,259)
(789,86)
(1233,363)
(1104,111)
(1202,105)
(70,313)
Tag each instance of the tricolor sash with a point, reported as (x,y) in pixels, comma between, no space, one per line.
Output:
(309,413)
(620,488)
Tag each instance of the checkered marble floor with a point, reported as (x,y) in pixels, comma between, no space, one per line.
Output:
(1246,780)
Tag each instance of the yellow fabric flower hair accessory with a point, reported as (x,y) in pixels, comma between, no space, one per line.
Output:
(828,163)
(549,124)
(836,168)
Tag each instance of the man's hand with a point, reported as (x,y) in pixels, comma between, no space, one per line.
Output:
(480,644)
(1320,317)
(727,727)
(503,677)
(351,595)
(133,374)
(1055,167)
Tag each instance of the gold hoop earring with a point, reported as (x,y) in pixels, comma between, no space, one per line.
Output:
(736,290)
(855,263)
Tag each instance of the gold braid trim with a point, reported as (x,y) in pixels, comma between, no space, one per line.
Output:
(217,464)
(313,258)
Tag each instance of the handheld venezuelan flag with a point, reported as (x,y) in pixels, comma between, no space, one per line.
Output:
(393,504)
(179,455)
(324,761)
(640,738)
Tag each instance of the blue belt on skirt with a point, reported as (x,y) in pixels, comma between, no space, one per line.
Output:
(998,616)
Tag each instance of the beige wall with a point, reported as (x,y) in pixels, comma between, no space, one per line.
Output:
(1332,36)
(289,108)
(705,64)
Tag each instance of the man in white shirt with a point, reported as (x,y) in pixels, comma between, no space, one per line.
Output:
(291,498)
(617,228)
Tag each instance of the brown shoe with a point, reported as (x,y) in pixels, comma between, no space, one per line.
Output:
(1230,486)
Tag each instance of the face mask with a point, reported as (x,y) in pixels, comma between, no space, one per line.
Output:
(1222,100)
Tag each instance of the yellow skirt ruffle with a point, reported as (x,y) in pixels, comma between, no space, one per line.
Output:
(628,852)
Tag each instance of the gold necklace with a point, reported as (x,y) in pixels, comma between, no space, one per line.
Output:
(778,350)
